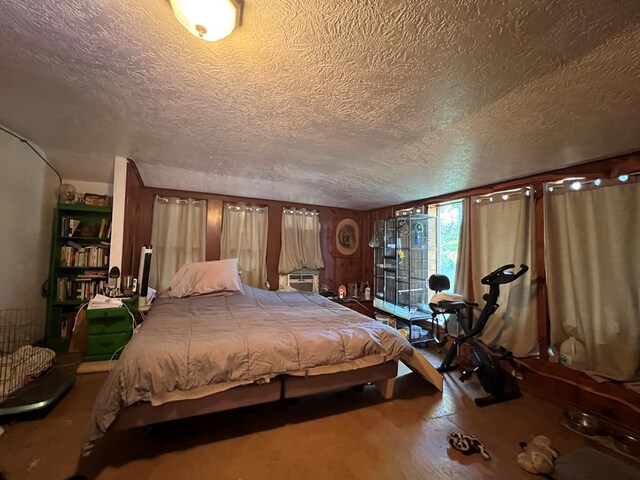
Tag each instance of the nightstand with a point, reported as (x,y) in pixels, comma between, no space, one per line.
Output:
(365,307)
(109,330)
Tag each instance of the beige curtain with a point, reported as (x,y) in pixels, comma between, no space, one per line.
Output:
(244,236)
(463,264)
(178,236)
(300,241)
(502,232)
(593,274)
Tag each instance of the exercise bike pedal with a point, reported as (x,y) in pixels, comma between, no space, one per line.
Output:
(493,399)
(466,374)
(447,368)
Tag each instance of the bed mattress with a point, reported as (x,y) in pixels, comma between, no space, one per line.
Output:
(189,344)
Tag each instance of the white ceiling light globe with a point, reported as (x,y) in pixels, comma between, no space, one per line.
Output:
(210,20)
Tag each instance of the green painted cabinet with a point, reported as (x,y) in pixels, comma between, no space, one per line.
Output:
(109,330)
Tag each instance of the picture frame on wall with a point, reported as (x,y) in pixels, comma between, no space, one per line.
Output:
(346,238)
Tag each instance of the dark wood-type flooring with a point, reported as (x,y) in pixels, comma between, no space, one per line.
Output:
(344,435)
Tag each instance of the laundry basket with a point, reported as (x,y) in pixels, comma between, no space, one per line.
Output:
(20,360)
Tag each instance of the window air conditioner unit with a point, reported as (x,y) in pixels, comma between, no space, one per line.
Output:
(302,281)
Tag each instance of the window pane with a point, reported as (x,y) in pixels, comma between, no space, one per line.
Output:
(450,215)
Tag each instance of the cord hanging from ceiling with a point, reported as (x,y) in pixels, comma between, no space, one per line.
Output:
(24,140)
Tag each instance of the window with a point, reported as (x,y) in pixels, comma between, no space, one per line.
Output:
(449,221)
(178,236)
(244,236)
(300,241)
(592,233)
(501,232)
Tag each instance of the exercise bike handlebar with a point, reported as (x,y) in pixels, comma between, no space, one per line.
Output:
(501,276)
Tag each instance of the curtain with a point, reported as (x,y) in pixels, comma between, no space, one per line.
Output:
(244,236)
(300,241)
(463,266)
(502,232)
(593,274)
(463,263)
(178,236)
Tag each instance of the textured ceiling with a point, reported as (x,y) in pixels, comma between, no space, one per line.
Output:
(354,104)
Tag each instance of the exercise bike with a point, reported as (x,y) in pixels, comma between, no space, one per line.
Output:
(492,378)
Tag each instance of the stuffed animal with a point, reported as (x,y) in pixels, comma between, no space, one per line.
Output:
(538,456)
(467,444)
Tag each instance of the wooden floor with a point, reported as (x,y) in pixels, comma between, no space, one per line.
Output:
(346,435)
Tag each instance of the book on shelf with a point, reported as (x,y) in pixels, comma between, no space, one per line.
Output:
(67,322)
(96,200)
(61,292)
(80,287)
(93,274)
(69,226)
(74,245)
(88,256)
(81,258)
(105,227)
(67,256)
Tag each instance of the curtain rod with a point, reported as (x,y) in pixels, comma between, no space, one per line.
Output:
(503,195)
(246,208)
(300,211)
(183,201)
(576,183)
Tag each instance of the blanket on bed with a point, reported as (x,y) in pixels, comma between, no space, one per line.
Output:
(195,342)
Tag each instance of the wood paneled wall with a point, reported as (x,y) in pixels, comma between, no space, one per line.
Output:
(565,385)
(132,216)
(139,211)
(607,168)
(359,267)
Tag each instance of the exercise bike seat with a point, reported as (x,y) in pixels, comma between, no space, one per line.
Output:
(448,301)
(449,305)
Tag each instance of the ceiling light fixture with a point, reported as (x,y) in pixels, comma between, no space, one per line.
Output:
(210,20)
(623,178)
(576,185)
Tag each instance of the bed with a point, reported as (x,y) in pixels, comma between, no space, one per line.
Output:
(203,354)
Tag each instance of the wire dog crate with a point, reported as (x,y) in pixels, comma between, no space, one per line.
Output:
(27,380)
(20,361)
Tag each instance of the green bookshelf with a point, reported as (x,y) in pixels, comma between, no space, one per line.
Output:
(78,266)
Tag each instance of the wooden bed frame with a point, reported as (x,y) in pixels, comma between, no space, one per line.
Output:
(284,386)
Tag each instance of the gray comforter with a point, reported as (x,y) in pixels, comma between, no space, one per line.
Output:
(194,342)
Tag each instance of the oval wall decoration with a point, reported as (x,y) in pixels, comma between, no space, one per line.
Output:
(347,237)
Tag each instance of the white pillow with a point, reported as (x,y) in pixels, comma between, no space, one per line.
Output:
(201,278)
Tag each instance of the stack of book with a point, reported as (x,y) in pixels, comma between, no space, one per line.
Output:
(82,287)
(73,227)
(75,255)
(95,199)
